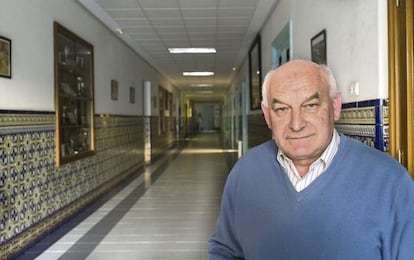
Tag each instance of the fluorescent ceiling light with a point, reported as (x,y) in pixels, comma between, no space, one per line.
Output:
(192,50)
(198,73)
(201,85)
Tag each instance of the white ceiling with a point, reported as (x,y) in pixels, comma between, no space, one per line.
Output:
(153,26)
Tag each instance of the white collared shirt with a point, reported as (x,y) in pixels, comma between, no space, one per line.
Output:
(316,168)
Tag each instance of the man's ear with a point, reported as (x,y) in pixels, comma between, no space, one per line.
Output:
(266,114)
(337,104)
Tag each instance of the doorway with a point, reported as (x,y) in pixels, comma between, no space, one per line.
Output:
(401,88)
(208,116)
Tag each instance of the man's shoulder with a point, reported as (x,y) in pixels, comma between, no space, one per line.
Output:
(258,156)
(359,149)
(258,159)
(266,149)
(361,154)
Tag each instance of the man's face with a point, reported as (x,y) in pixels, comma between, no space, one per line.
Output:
(301,113)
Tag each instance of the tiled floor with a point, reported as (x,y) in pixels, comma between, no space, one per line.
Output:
(170,219)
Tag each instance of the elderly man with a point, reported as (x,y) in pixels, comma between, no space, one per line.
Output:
(312,193)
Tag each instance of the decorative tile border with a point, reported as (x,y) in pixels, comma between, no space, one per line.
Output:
(30,118)
(366,121)
(35,196)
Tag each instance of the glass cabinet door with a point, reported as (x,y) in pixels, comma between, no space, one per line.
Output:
(73,96)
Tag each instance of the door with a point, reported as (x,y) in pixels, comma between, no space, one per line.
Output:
(400,35)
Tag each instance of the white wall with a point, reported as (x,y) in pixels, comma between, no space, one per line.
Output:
(356,40)
(29,24)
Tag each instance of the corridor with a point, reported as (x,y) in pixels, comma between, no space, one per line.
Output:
(168,212)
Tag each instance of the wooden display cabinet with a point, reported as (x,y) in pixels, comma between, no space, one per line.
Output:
(74,99)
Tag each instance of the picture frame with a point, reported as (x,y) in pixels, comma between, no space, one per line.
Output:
(255,71)
(5,57)
(132,95)
(114,89)
(318,48)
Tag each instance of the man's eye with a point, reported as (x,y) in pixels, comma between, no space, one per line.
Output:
(280,109)
(311,105)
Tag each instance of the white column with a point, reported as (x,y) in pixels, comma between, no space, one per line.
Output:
(147,121)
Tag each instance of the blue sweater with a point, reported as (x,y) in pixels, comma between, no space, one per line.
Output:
(361,207)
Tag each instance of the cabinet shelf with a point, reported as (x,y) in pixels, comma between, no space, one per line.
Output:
(76,126)
(72,68)
(74,96)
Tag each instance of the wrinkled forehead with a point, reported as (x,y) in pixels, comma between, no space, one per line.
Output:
(308,79)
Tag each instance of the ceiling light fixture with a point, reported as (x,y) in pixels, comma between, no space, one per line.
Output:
(198,73)
(119,31)
(192,50)
(201,85)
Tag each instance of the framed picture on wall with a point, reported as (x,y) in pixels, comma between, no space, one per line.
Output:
(5,57)
(255,74)
(318,48)
(131,95)
(114,89)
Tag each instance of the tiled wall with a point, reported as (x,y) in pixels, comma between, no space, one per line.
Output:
(35,196)
(161,140)
(366,121)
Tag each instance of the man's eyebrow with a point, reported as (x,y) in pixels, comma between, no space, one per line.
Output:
(275,100)
(314,96)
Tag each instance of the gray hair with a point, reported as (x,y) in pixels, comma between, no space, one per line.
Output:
(333,88)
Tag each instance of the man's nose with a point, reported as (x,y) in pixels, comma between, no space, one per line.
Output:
(297,122)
